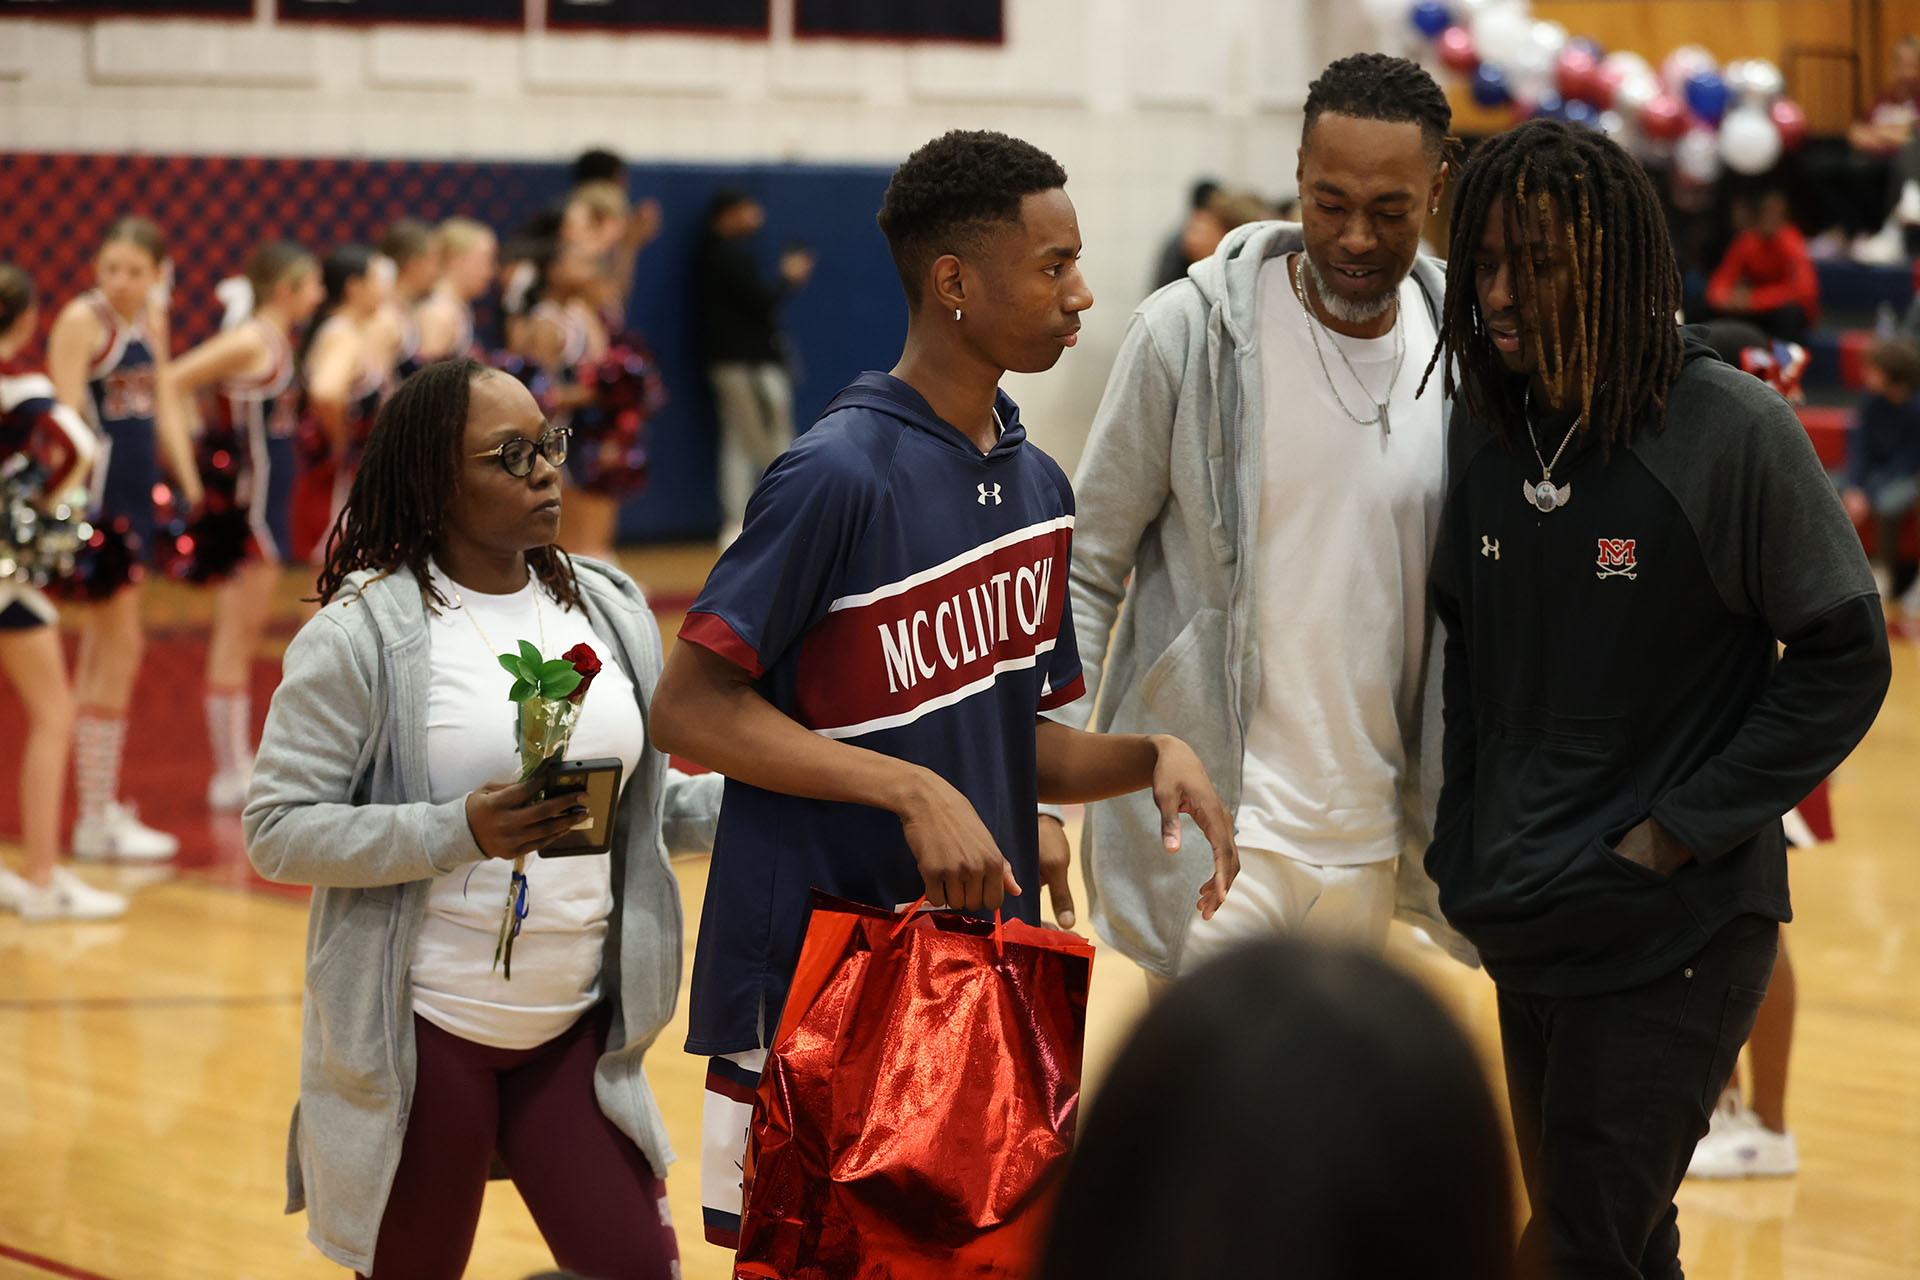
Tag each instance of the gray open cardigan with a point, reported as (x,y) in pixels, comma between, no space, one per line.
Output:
(340,801)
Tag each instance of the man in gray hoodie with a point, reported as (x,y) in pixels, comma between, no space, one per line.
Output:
(1261,489)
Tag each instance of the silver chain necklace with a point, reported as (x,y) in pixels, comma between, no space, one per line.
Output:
(1543,496)
(1297,278)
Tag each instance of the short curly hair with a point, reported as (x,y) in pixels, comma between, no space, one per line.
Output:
(950,191)
(1377,86)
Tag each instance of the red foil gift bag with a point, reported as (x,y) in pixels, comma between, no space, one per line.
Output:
(916,1110)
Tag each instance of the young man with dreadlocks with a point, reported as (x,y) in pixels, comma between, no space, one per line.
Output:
(1632,529)
(1261,489)
(871,663)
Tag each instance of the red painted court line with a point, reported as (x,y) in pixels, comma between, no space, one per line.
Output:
(49,1265)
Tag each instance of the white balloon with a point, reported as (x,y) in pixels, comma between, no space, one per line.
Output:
(1749,142)
(1530,71)
(1635,92)
(1500,32)
(1763,82)
(1625,63)
(1614,125)
(1697,155)
(1682,65)
(1551,36)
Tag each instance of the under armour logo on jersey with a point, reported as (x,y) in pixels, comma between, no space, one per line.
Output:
(1489,547)
(989,493)
(1616,559)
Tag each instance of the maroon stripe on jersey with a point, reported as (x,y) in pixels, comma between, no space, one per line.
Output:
(1061,697)
(709,631)
(885,662)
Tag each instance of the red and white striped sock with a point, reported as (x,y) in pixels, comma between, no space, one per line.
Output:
(99,740)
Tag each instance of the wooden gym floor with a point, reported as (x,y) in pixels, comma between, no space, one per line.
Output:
(147,1065)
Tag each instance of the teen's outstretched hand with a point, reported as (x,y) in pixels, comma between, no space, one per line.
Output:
(1181,786)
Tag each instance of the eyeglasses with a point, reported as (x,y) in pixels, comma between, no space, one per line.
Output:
(516,455)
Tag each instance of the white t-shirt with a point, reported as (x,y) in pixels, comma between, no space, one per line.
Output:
(1346,528)
(470,742)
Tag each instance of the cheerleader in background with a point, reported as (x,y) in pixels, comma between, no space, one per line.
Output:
(408,244)
(32,424)
(560,330)
(251,368)
(345,370)
(466,251)
(105,354)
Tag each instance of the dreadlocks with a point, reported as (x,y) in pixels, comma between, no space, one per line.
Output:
(1626,286)
(395,513)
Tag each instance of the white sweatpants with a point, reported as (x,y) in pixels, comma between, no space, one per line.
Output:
(1277,894)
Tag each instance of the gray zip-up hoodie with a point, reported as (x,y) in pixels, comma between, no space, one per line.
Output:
(339,801)
(1168,497)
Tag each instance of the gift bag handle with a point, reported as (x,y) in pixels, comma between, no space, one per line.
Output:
(906,918)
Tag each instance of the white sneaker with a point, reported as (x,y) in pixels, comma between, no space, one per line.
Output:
(68,897)
(227,791)
(1742,1147)
(1885,248)
(12,888)
(117,832)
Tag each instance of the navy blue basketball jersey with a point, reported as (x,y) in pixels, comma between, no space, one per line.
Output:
(896,589)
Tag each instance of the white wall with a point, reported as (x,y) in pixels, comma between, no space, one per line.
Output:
(1135,97)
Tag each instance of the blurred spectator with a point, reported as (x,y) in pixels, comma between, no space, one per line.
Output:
(1289,1110)
(1767,276)
(1173,253)
(1208,225)
(743,347)
(1883,449)
(1857,187)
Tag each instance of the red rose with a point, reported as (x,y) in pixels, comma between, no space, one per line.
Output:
(587,663)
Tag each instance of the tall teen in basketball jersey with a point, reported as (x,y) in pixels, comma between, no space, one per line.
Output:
(408,244)
(256,403)
(104,355)
(345,367)
(34,424)
(871,663)
(468,252)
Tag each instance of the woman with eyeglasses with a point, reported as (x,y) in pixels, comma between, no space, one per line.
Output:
(386,779)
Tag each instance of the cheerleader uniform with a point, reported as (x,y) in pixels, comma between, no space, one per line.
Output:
(323,485)
(407,361)
(261,413)
(120,408)
(32,424)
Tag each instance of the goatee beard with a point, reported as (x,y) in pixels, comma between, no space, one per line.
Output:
(1345,310)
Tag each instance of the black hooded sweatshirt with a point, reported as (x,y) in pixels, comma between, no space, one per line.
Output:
(1618,658)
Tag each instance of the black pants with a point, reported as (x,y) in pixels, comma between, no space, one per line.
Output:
(1610,1094)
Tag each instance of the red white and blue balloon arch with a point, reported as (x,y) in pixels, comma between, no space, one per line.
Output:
(1689,111)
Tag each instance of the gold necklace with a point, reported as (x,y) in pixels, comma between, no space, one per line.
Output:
(539,614)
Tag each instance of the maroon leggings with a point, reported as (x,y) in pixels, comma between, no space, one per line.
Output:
(590,1190)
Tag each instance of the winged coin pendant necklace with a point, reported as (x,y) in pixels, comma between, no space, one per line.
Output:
(1544,496)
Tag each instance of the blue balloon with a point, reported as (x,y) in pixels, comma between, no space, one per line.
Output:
(1584,114)
(1549,106)
(1490,86)
(1431,17)
(1707,96)
(1589,46)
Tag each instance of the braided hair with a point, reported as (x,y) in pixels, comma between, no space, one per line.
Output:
(395,514)
(1626,286)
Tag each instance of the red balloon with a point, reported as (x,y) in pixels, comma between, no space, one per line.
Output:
(1605,81)
(1456,50)
(1664,118)
(1791,120)
(1577,74)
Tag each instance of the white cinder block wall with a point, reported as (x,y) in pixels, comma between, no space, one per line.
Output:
(1136,97)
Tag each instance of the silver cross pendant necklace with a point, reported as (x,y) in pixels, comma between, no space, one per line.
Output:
(1544,496)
